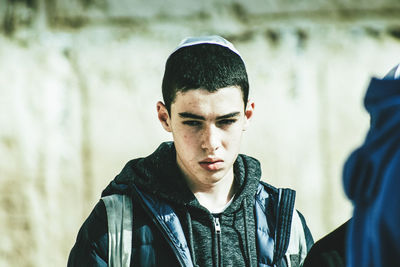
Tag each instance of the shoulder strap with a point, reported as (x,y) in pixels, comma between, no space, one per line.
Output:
(274,212)
(290,235)
(284,213)
(120,224)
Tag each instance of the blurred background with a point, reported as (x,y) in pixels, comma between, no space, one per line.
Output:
(79,82)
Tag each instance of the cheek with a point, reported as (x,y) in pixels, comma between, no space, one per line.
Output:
(187,147)
(186,139)
(237,130)
(187,136)
(233,138)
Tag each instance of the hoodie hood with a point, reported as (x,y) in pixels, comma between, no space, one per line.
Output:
(367,165)
(159,175)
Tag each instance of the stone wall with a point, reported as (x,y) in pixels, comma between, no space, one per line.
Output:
(79,81)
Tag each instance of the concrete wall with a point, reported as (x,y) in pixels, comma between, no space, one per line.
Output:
(79,81)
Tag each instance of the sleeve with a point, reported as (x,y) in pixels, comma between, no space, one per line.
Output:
(307,232)
(91,246)
(329,250)
(300,240)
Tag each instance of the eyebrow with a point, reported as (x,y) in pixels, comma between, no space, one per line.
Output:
(188,115)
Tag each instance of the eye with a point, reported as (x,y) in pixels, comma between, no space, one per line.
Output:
(192,123)
(227,122)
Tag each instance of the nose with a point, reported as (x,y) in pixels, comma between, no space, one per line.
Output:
(210,138)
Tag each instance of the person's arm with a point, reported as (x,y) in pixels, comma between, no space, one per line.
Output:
(329,250)
(307,232)
(91,246)
(301,240)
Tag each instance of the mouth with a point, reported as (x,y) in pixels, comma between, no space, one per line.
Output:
(211,164)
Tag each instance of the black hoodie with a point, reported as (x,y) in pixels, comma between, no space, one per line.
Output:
(159,176)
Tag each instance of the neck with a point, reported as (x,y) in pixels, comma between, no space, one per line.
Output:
(215,196)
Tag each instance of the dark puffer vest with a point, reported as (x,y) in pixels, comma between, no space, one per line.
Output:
(275,234)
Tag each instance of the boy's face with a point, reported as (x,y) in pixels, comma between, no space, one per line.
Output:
(207,130)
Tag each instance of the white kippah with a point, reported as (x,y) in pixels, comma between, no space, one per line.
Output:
(211,39)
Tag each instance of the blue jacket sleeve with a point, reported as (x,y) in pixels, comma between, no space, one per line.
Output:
(91,246)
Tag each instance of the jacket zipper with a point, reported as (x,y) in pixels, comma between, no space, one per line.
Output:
(217,227)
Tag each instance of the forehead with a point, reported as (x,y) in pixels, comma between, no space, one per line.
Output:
(202,102)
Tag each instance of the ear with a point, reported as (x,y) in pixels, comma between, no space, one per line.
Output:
(163,116)
(248,114)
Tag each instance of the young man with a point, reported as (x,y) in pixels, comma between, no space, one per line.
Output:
(196,201)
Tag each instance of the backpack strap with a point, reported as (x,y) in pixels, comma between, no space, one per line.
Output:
(120,224)
(284,214)
(274,215)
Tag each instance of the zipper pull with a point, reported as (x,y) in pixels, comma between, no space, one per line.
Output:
(217,225)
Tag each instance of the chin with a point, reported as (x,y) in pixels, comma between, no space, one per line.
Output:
(217,176)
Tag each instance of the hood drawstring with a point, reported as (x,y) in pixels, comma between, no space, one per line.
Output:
(246,232)
(191,242)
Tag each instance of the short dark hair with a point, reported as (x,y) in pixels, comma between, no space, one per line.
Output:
(203,66)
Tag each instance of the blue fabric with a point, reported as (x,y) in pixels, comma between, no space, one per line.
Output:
(91,245)
(265,227)
(371,179)
(169,221)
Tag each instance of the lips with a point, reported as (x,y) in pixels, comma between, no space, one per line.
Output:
(210,164)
